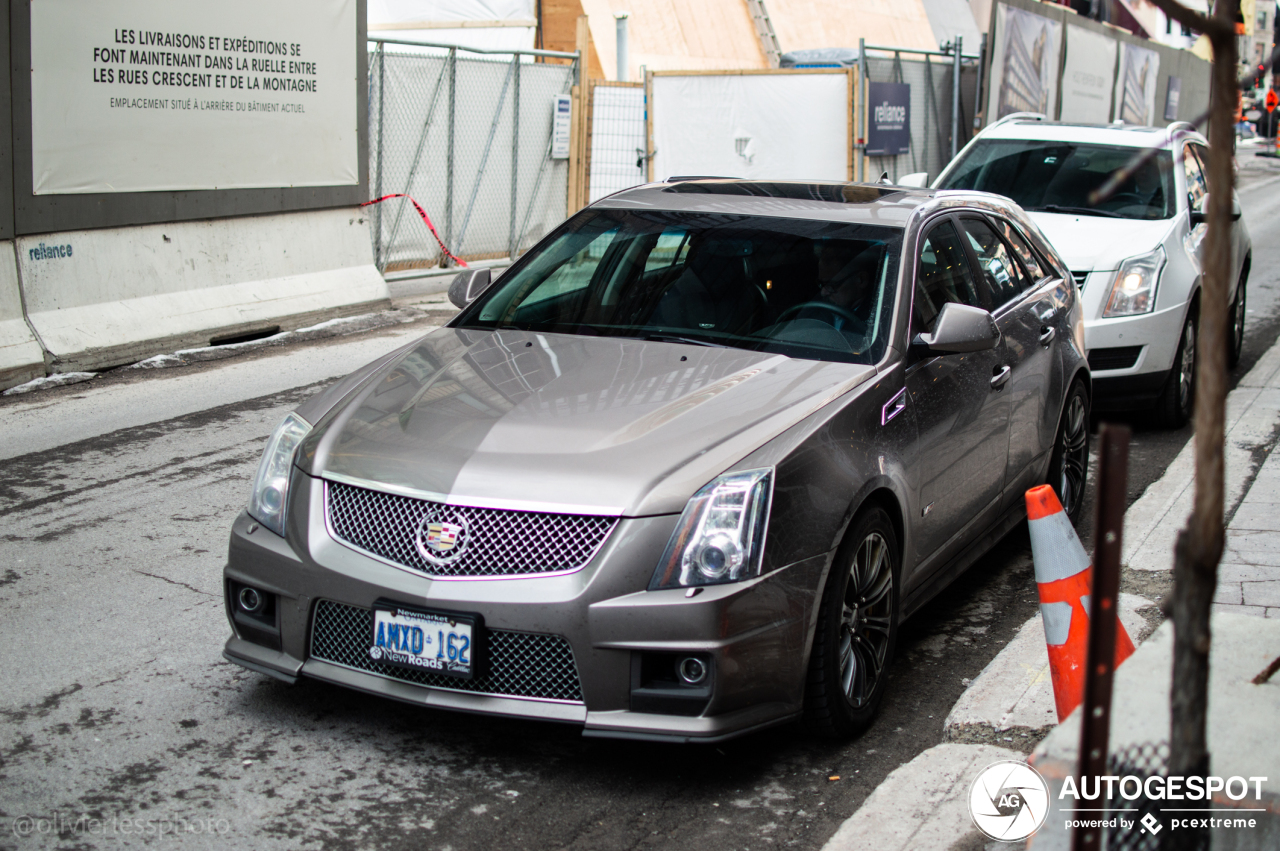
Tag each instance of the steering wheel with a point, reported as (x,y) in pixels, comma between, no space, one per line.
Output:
(834,309)
(1127,199)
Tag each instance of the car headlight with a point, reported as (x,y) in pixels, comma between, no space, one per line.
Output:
(270,498)
(1134,289)
(720,536)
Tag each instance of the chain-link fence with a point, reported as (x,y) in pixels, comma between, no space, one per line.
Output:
(931,80)
(468,134)
(616,147)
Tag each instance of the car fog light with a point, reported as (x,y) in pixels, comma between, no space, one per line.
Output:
(250,600)
(692,670)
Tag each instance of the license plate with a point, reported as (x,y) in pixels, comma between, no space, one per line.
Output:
(440,642)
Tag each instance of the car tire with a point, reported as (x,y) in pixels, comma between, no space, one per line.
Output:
(1069,462)
(1235,336)
(856,630)
(1178,399)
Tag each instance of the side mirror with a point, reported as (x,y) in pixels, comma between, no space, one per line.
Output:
(960,329)
(918,180)
(468,286)
(1199,217)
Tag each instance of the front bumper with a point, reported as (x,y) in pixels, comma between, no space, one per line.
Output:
(755,634)
(1138,385)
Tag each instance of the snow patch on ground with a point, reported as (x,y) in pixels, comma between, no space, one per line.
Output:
(56,380)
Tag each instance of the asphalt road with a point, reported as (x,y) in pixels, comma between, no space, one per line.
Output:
(115,703)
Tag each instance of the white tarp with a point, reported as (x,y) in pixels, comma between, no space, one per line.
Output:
(617,140)
(483,24)
(784,125)
(1087,76)
(1135,94)
(1024,64)
(148,95)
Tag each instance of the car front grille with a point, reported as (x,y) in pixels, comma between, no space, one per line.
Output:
(1080,278)
(516,664)
(493,542)
(1121,357)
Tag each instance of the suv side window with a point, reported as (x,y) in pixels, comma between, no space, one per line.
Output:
(943,275)
(1003,275)
(1197,187)
(1024,251)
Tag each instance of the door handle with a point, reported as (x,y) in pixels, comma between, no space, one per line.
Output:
(1001,377)
(1047,334)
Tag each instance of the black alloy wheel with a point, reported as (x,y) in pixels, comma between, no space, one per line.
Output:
(1235,341)
(1179,396)
(856,631)
(1069,463)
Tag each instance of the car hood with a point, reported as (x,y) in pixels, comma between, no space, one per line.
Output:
(1099,243)
(602,425)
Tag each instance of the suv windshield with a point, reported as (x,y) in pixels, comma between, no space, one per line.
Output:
(807,289)
(1057,177)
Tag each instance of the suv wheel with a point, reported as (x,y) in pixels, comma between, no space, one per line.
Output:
(1235,339)
(1069,463)
(1179,397)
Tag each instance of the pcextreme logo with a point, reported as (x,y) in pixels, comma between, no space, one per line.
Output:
(1009,801)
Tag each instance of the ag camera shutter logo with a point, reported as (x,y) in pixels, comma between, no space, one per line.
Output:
(1009,801)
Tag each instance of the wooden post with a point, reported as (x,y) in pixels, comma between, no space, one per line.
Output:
(577,125)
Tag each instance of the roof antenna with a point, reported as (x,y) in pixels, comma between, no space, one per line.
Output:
(884,178)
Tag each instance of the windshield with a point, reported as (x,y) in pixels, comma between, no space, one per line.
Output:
(1057,177)
(806,289)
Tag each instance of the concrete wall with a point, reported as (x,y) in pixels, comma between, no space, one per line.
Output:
(110,296)
(21,358)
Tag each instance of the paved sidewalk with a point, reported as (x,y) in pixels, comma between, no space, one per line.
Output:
(1010,703)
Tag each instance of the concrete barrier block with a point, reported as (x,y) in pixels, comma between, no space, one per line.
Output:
(101,298)
(21,358)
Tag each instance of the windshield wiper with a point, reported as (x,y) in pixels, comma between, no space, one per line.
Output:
(1088,211)
(670,338)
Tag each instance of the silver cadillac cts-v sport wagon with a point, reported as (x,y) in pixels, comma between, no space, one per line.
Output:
(681,471)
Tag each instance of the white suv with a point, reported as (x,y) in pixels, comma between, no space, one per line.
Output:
(1136,256)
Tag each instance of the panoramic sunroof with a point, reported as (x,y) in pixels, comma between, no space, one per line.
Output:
(839,193)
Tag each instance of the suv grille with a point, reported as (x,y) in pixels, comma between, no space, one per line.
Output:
(1080,277)
(518,664)
(492,543)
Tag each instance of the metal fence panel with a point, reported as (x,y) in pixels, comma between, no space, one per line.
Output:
(469,138)
(930,78)
(617,138)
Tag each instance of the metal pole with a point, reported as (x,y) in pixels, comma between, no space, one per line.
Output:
(377,193)
(448,201)
(862,108)
(1113,465)
(955,98)
(515,159)
(623,58)
(977,91)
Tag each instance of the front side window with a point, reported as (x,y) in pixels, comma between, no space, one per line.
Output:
(1058,177)
(808,289)
(1003,276)
(943,275)
(1197,186)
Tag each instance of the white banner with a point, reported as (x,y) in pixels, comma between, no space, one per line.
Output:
(1087,76)
(785,126)
(1135,94)
(1024,63)
(150,95)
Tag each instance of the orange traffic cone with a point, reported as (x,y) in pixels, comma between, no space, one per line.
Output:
(1064,575)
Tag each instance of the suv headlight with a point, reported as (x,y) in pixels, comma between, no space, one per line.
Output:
(1134,289)
(269,501)
(720,536)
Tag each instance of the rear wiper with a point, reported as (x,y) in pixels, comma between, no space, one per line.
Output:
(669,338)
(1088,211)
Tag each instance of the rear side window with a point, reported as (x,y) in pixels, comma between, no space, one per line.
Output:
(1002,274)
(1024,251)
(943,275)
